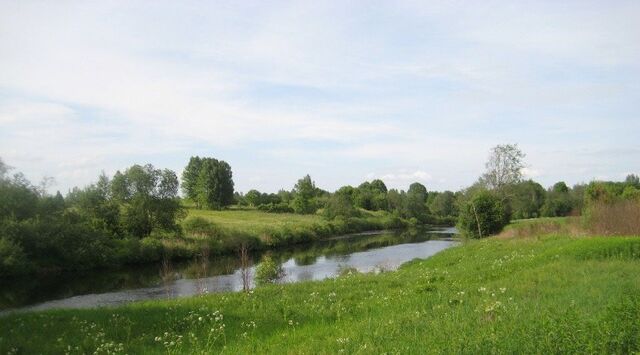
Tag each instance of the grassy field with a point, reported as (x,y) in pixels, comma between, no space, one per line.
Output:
(264,230)
(540,294)
(255,222)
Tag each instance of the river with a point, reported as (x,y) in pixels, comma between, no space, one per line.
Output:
(366,252)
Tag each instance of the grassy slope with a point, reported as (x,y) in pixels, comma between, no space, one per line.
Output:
(254,222)
(283,229)
(534,295)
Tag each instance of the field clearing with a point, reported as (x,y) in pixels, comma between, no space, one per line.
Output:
(254,220)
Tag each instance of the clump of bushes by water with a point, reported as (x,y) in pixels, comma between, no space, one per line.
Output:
(268,271)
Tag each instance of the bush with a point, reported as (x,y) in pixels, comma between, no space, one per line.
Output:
(268,271)
(151,249)
(339,205)
(481,216)
(13,261)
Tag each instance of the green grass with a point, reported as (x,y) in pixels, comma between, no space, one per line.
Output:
(541,220)
(255,222)
(263,230)
(534,227)
(545,294)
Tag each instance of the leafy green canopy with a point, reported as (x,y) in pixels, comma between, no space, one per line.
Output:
(208,182)
(482,216)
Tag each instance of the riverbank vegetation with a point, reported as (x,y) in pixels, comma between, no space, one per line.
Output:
(509,294)
(137,215)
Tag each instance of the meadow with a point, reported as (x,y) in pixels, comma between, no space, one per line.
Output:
(545,293)
(225,231)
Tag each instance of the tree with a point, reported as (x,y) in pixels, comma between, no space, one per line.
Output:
(558,202)
(396,200)
(304,192)
(214,187)
(526,198)
(379,186)
(482,215)
(18,198)
(341,204)
(190,178)
(630,192)
(96,205)
(504,167)
(560,187)
(633,180)
(149,197)
(253,197)
(416,202)
(444,204)
(372,196)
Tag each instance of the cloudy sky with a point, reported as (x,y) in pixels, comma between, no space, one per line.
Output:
(342,90)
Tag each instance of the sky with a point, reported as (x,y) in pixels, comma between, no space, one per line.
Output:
(345,91)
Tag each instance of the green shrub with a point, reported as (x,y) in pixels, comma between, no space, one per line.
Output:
(268,271)
(150,249)
(482,216)
(13,261)
(339,205)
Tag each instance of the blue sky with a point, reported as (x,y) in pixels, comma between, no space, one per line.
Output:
(344,91)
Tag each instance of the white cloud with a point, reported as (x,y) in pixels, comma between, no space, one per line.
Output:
(402,178)
(318,84)
(530,173)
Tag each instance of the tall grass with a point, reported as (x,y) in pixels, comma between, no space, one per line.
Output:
(618,218)
(538,227)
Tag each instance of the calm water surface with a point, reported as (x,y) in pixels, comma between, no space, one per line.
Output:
(366,252)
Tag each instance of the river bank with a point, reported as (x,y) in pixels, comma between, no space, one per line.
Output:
(311,261)
(540,294)
(204,233)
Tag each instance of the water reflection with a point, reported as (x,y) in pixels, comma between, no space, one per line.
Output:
(365,252)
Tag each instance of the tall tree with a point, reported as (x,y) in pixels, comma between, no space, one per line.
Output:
(416,205)
(504,167)
(304,192)
(214,188)
(190,178)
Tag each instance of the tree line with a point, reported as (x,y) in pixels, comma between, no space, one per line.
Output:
(501,195)
(124,218)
